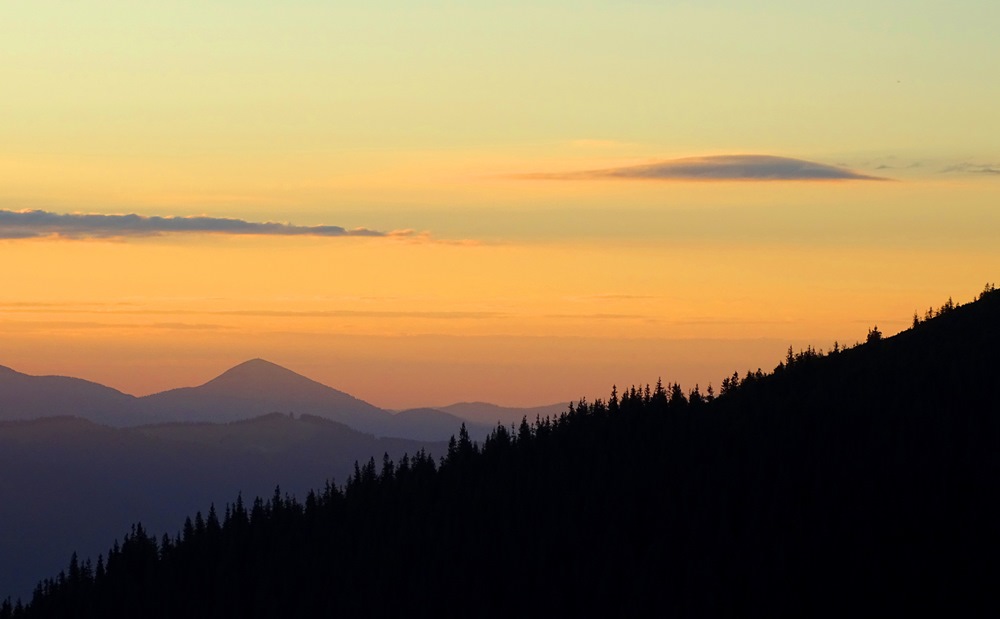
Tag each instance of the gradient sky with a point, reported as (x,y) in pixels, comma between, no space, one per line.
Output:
(522,202)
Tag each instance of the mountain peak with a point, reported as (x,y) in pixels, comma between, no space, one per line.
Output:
(257,387)
(257,361)
(255,366)
(257,375)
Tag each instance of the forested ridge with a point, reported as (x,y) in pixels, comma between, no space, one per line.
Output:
(859,481)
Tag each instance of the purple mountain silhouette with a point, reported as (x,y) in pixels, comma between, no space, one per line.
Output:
(491,414)
(250,389)
(258,387)
(33,397)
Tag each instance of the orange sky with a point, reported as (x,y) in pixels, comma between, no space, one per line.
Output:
(463,132)
(404,322)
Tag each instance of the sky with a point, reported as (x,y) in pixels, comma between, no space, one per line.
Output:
(519,202)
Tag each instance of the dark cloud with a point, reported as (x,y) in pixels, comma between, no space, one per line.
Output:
(36,223)
(721,168)
(974,168)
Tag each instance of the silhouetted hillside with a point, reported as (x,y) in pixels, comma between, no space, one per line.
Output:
(861,482)
(67,483)
(947,361)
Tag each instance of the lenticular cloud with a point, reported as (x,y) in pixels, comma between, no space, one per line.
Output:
(721,168)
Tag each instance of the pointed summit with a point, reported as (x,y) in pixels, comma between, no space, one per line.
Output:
(258,387)
(255,365)
(258,377)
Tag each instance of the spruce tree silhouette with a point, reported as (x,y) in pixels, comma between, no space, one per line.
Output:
(864,479)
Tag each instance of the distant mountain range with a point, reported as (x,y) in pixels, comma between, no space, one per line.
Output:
(862,478)
(490,415)
(251,389)
(86,460)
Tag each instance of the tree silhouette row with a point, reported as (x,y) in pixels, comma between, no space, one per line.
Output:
(862,480)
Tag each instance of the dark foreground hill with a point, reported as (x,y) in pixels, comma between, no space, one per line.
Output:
(67,483)
(862,482)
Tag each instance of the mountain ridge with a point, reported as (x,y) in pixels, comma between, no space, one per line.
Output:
(247,390)
(27,396)
(864,478)
(257,387)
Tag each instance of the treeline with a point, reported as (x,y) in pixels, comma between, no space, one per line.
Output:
(859,482)
(809,355)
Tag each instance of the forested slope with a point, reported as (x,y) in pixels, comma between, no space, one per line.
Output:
(858,482)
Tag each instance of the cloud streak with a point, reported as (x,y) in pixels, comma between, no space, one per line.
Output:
(973,168)
(720,168)
(29,224)
(91,308)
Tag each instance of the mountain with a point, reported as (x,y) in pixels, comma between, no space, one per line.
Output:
(289,437)
(859,481)
(250,389)
(32,397)
(490,415)
(479,419)
(258,387)
(432,424)
(70,484)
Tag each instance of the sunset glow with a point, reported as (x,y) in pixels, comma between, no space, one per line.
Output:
(480,257)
